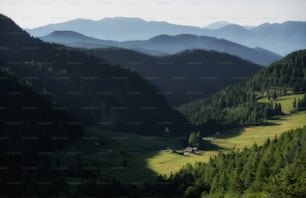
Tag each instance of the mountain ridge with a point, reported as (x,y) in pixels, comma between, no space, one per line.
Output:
(168,44)
(95,91)
(264,35)
(187,75)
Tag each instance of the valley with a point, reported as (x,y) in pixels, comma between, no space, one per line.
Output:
(175,111)
(154,156)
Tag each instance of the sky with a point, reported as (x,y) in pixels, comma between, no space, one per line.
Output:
(34,13)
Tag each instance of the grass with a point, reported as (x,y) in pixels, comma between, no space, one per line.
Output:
(133,149)
(245,137)
(285,101)
(147,157)
(165,162)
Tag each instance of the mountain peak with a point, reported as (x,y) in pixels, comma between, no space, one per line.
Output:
(163,38)
(217,25)
(65,33)
(8,24)
(122,19)
(233,27)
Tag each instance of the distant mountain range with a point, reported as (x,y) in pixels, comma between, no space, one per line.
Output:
(166,44)
(281,38)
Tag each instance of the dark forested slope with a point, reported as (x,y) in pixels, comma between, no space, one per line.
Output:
(237,105)
(185,76)
(94,90)
(31,129)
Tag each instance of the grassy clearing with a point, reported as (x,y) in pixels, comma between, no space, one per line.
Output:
(165,162)
(135,159)
(118,156)
(286,101)
(244,137)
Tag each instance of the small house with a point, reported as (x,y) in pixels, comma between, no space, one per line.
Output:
(191,149)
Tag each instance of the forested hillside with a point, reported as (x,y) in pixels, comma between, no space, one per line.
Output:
(237,105)
(95,91)
(276,169)
(31,128)
(186,76)
(65,115)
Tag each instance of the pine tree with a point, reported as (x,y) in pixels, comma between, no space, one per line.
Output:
(294,104)
(274,95)
(194,139)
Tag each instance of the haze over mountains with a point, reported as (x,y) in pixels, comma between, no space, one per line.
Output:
(79,122)
(280,38)
(181,77)
(166,44)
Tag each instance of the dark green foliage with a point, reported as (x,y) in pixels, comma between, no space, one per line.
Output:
(294,104)
(190,192)
(276,169)
(237,104)
(289,182)
(95,91)
(25,114)
(194,139)
(167,132)
(31,129)
(288,72)
(185,76)
(301,104)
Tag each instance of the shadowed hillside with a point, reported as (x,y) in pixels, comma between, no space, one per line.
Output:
(185,76)
(95,91)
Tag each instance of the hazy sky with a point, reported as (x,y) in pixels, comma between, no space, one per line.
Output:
(33,13)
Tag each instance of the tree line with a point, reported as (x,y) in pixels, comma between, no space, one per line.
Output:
(276,169)
(237,105)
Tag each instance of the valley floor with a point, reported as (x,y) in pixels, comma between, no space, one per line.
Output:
(136,159)
(165,162)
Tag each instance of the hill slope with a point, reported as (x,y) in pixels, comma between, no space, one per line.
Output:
(237,105)
(25,114)
(75,39)
(94,90)
(31,129)
(184,76)
(276,169)
(166,44)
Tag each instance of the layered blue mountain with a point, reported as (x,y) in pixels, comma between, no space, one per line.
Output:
(166,44)
(217,25)
(281,38)
(117,28)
